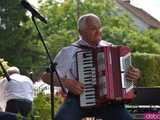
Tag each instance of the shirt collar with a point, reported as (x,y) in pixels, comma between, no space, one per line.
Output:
(84,43)
(100,44)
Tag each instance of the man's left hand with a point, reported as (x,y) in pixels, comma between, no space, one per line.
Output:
(133,74)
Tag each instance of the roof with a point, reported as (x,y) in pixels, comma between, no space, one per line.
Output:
(140,13)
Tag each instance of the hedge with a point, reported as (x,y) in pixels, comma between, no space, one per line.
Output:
(149,64)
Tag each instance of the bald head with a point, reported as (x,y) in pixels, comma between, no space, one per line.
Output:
(84,19)
(12,70)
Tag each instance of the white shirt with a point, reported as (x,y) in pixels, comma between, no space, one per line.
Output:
(2,97)
(66,60)
(19,87)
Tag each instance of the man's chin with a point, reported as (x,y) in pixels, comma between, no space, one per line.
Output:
(98,40)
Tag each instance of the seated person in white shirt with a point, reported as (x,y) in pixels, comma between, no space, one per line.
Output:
(89,27)
(18,92)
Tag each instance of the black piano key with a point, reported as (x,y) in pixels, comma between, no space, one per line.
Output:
(91,97)
(87,63)
(87,73)
(87,70)
(86,56)
(89,94)
(88,67)
(87,60)
(89,87)
(88,90)
(88,78)
(90,102)
(88,84)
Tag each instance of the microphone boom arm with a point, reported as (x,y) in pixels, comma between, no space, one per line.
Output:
(5,72)
(34,13)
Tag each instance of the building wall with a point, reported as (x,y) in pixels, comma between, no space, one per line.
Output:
(136,21)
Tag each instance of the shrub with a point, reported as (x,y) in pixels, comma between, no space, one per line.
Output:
(149,64)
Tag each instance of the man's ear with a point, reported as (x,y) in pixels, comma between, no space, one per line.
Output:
(79,31)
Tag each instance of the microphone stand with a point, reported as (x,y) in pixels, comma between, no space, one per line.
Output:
(52,69)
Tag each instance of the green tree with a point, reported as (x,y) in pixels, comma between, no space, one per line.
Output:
(42,106)
(17,45)
(142,43)
(21,46)
(62,20)
(118,27)
(153,34)
(12,40)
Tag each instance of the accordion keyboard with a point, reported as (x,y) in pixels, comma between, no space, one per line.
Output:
(87,76)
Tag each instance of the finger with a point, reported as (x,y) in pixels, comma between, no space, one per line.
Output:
(76,88)
(132,75)
(82,85)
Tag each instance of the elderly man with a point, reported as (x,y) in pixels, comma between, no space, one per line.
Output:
(89,27)
(18,92)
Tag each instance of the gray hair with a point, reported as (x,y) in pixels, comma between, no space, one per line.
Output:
(82,20)
(12,70)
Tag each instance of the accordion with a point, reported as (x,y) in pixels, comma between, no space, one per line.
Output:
(102,71)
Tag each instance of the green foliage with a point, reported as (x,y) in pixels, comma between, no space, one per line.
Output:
(153,34)
(118,27)
(11,32)
(142,43)
(16,42)
(149,66)
(21,46)
(61,30)
(19,116)
(42,106)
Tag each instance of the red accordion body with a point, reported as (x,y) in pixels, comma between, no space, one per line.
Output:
(102,71)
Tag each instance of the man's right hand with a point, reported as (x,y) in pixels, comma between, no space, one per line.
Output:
(74,86)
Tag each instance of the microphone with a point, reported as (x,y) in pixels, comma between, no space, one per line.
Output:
(30,8)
